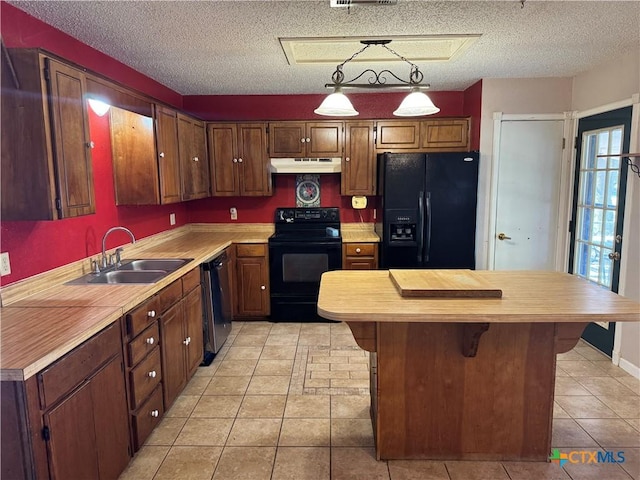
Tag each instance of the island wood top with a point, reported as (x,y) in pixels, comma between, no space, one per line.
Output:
(528,296)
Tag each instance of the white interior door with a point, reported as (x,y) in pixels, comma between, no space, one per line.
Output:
(528,194)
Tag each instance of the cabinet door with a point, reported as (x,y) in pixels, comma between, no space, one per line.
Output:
(110,416)
(194,165)
(255,178)
(252,286)
(194,326)
(398,135)
(287,139)
(359,163)
(324,139)
(72,442)
(135,169)
(445,135)
(167,151)
(71,144)
(223,156)
(173,346)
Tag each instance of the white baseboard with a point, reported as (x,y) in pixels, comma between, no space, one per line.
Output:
(629,367)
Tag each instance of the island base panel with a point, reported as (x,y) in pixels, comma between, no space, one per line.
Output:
(430,401)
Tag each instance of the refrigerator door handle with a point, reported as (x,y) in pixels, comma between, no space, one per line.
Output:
(427,250)
(420,226)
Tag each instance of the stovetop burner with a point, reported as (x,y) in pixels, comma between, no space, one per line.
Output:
(308,224)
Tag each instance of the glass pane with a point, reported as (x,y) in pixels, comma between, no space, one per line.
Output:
(609,228)
(585,225)
(612,190)
(594,263)
(589,151)
(601,177)
(603,144)
(607,264)
(596,235)
(581,259)
(304,267)
(586,186)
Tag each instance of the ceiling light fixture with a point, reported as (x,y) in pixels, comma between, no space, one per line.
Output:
(99,107)
(417,103)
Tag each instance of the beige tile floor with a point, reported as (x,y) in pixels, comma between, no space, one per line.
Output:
(290,401)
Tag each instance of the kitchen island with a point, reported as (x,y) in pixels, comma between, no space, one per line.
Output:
(467,378)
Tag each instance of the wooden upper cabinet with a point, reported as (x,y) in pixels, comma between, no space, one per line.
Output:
(359,162)
(135,169)
(167,151)
(305,139)
(239,162)
(46,150)
(194,164)
(445,135)
(392,135)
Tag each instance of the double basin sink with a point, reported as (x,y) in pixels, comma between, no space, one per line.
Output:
(148,270)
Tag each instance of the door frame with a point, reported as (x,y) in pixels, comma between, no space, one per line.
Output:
(564,200)
(634,102)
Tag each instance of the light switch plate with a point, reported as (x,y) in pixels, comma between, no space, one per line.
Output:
(172,219)
(5,265)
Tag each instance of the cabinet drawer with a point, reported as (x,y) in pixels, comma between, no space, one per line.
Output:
(77,365)
(143,344)
(251,250)
(169,295)
(143,316)
(147,417)
(191,280)
(145,377)
(360,249)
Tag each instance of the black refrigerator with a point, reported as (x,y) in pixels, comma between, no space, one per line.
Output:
(427,209)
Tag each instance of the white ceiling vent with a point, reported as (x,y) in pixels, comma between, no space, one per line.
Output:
(349,3)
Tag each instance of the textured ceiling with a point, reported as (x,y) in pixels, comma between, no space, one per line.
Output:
(232,47)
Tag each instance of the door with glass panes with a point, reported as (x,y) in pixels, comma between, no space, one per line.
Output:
(598,209)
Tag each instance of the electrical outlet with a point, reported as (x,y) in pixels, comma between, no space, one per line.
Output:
(234,213)
(172,219)
(5,265)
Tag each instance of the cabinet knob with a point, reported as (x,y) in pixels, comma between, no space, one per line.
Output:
(308,139)
(302,140)
(358,250)
(347,159)
(262,287)
(152,374)
(187,341)
(150,340)
(151,313)
(91,144)
(155,413)
(196,159)
(235,160)
(239,160)
(161,154)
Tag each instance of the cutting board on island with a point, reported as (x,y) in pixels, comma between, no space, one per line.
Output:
(442,284)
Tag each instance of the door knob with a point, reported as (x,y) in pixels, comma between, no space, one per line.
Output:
(502,236)
(614,256)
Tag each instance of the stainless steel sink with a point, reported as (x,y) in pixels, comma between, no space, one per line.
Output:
(142,270)
(129,276)
(166,264)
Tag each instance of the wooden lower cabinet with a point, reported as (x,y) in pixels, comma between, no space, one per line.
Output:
(252,281)
(182,343)
(81,432)
(359,256)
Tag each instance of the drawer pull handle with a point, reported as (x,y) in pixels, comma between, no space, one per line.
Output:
(262,287)
(187,341)
(155,413)
(151,313)
(239,160)
(151,340)
(358,250)
(152,374)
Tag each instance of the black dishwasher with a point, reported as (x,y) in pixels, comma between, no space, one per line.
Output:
(217,305)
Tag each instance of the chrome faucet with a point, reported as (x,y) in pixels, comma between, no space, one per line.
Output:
(109,262)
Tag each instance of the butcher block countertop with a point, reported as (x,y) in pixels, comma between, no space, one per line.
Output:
(43,318)
(527,296)
(358,233)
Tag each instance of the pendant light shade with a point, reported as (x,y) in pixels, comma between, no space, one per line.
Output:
(336,105)
(416,104)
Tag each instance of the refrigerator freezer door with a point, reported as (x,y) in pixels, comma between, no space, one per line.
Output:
(451,183)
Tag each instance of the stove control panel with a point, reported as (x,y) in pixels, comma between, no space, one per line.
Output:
(307,215)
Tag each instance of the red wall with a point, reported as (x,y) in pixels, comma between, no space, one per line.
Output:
(35,247)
